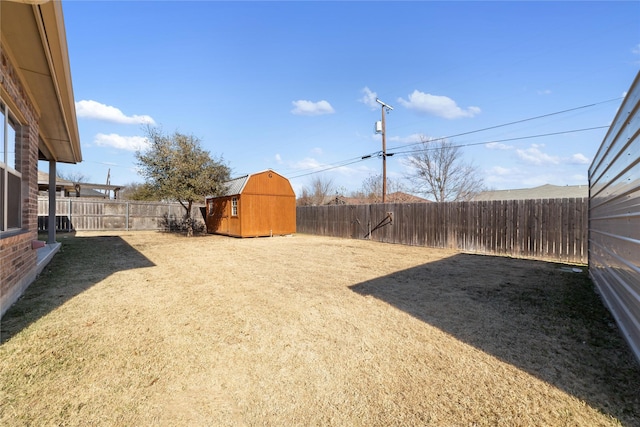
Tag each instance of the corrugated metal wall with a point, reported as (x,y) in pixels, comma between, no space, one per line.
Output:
(614,218)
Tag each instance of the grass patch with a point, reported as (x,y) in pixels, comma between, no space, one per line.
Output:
(152,328)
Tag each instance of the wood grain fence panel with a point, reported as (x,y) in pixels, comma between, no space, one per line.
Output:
(89,214)
(552,229)
(566,238)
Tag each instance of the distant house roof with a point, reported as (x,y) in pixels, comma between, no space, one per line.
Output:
(401,197)
(397,197)
(85,189)
(546,191)
(43,182)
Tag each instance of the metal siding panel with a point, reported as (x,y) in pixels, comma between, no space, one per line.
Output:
(621,175)
(614,218)
(631,101)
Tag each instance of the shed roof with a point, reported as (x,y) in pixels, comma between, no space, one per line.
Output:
(235,186)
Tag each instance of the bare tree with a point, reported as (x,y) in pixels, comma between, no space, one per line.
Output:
(439,172)
(317,192)
(372,188)
(72,176)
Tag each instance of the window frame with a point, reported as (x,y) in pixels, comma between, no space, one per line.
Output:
(11,175)
(234,206)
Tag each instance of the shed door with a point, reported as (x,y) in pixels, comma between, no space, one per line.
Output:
(219,217)
(224,224)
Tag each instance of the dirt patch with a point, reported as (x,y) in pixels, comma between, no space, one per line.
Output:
(149,328)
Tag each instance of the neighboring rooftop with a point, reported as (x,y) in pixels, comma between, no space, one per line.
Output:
(546,191)
(78,189)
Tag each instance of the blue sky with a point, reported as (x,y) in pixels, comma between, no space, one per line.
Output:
(291,86)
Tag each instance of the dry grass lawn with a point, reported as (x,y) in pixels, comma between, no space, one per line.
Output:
(146,328)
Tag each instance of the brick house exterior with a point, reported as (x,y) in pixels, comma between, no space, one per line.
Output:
(37,111)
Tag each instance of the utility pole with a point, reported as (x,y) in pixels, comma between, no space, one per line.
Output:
(107,191)
(384,149)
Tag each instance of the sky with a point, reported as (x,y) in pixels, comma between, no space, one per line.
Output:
(525,89)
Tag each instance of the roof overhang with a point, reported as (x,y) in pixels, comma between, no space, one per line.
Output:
(32,35)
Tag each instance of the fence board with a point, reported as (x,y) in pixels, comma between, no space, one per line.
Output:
(550,229)
(87,214)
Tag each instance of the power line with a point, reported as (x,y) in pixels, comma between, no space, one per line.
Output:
(542,135)
(330,166)
(408,152)
(514,122)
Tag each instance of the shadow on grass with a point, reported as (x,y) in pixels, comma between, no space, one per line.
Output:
(534,315)
(81,263)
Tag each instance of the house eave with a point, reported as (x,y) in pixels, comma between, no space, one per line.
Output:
(33,37)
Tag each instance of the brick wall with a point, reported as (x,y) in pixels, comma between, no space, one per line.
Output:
(17,258)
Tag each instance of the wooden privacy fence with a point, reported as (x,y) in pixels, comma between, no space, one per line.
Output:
(548,229)
(87,214)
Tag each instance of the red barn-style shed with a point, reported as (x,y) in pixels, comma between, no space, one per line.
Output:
(259,204)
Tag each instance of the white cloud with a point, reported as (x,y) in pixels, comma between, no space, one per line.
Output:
(307,163)
(579,179)
(499,170)
(498,175)
(636,50)
(317,150)
(441,106)
(95,110)
(579,159)
(310,108)
(409,139)
(369,98)
(498,146)
(535,156)
(278,158)
(129,143)
(544,92)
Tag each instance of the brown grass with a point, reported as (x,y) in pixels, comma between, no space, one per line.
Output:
(147,328)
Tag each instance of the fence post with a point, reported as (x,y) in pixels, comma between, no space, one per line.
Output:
(69,224)
(126,226)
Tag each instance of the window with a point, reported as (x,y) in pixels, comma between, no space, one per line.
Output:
(10,176)
(234,206)
(210,207)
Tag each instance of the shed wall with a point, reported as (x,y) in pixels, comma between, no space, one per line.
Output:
(614,218)
(270,183)
(265,215)
(219,219)
(267,206)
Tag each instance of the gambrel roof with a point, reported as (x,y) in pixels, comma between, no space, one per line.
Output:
(235,186)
